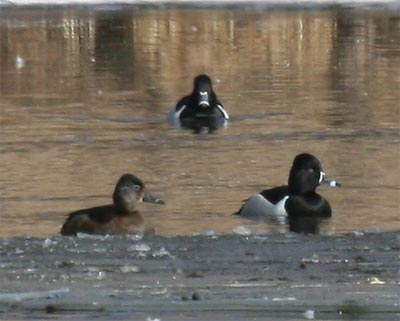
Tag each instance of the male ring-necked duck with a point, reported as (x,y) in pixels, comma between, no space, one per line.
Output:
(117,218)
(296,202)
(200,111)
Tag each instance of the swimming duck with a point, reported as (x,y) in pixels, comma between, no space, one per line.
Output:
(117,218)
(296,202)
(201,111)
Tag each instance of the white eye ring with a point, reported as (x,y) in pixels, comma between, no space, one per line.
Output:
(136,187)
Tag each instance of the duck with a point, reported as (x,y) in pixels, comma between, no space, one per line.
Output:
(296,203)
(201,111)
(120,217)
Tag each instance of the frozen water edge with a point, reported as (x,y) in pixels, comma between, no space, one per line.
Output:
(266,274)
(206,3)
(32,295)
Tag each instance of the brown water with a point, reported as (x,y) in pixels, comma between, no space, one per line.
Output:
(84,96)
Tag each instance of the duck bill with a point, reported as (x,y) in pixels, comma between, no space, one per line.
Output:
(204,99)
(325,180)
(151,199)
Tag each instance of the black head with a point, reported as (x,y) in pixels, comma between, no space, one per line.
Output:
(129,191)
(203,91)
(306,174)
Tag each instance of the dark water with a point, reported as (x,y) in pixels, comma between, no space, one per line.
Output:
(84,95)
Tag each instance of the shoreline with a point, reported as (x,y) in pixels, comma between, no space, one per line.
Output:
(262,276)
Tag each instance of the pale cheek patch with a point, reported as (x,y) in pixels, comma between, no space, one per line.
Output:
(321,176)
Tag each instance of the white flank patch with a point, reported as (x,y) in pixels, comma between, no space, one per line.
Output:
(223,111)
(173,116)
(258,206)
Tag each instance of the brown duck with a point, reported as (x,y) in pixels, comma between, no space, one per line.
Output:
(118,218)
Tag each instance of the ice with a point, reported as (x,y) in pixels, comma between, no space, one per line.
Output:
(142,247)
(134,237)
(372,229)
(96,275)
(309,315)
(93,236)
(30,270)
(375,281)
(358,233)
(211,233)
(18,251)
(290,298)
(49,242)
(22,296)
(242,230)
(161,252)
(130,269)
(313,259)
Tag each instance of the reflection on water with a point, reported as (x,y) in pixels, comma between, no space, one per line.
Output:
(84,94)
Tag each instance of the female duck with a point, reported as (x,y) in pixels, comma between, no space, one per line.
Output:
(297,201)
(117,218)
(200,111)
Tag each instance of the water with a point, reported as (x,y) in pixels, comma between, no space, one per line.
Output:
(84,95)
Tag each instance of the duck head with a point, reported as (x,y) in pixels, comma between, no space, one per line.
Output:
(203,91)
(306,175)
(130,191)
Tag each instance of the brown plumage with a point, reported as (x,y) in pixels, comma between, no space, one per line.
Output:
(118,218)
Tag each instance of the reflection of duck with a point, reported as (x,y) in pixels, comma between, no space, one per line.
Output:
(201,110)
(117,218)
(297,201)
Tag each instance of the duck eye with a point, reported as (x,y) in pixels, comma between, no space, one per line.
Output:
(311,170)
(136,187)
